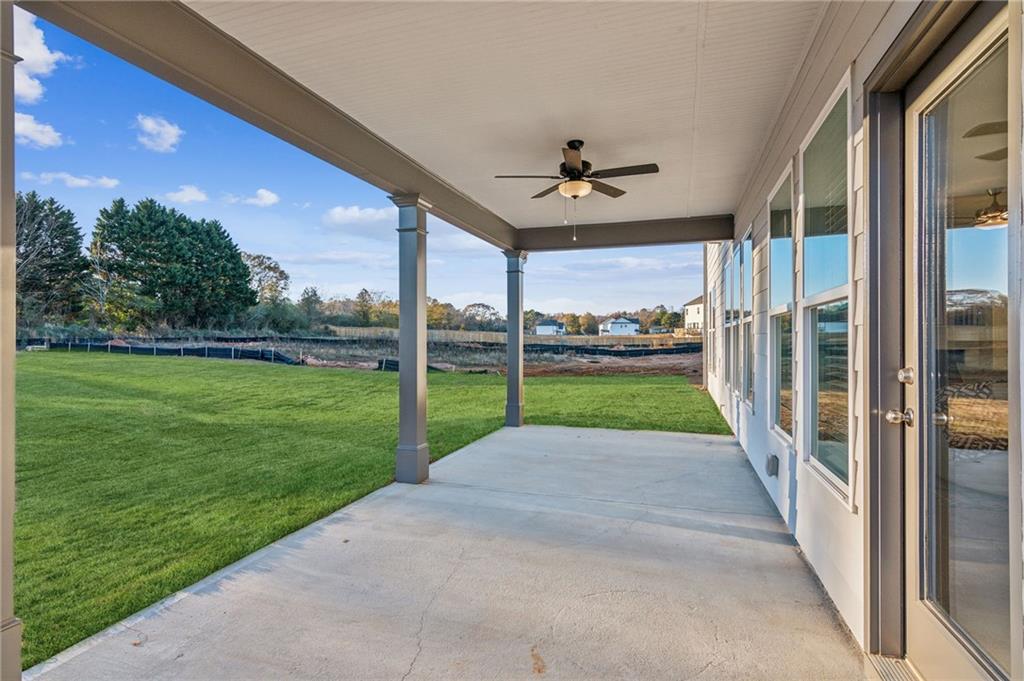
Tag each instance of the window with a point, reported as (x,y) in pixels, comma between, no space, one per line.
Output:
(735,295)
(746,285)
(829,384)
(727,354)
(748,360)
(824,163)
(780,247)
(780,295)
(825,241)
(782,372)
(747,261)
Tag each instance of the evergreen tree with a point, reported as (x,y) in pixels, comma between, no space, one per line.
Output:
(157,265)
(51,267)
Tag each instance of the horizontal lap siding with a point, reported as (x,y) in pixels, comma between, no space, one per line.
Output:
(831,533)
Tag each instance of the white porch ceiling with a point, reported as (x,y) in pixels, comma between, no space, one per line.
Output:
(470,90)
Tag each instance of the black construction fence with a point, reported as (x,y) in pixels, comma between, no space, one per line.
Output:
(213,352)
(197,347)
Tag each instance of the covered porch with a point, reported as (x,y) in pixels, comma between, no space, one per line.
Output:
(535,551)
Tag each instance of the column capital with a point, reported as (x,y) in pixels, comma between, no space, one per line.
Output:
(516,259)
(410,201)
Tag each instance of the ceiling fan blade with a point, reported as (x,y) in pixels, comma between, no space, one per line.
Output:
(989,128)
(573,159)
(997,155)
(644,169)
(606,189)
(536,177)
(541,195)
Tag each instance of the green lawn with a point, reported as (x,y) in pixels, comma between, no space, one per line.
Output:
(138,476)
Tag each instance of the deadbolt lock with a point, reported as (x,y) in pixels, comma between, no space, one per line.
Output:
(905,375)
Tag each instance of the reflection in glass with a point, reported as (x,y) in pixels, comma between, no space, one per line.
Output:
(734,331)
(782,341)
(736,284)
(780,251)
(825,203)
(829,387)
(748,276)
(748,360)
(965,426)
(728,292)
(727,354)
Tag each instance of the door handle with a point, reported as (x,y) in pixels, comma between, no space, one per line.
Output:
(897,418)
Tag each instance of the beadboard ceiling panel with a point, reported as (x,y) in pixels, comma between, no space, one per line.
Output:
(470,90)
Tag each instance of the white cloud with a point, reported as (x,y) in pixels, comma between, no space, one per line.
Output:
(29,131)
(303,206)
(157,133)
(353,215)
(187,193)
(37,60)
(72,181)
(263,198)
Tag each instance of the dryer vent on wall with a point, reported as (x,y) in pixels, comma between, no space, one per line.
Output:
(771,465)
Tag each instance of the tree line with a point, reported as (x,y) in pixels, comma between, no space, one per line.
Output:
(149,268)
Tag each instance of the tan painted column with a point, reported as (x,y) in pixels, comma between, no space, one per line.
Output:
(10,626)
(514,375)
(412,460)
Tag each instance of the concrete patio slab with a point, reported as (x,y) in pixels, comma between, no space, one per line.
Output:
(543,552)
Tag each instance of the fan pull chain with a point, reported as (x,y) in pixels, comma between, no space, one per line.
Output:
(565,211)
(574,219)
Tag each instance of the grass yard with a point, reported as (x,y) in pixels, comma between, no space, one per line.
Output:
(138,476)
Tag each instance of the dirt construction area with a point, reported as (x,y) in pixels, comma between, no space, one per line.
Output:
(689,365)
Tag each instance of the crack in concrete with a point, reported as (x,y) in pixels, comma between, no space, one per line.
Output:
(426,610)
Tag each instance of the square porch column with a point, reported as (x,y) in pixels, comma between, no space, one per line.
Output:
(10,626)
(514,381)
(412,460)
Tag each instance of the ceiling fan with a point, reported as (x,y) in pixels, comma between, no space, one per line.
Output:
(990,128)
(577,179)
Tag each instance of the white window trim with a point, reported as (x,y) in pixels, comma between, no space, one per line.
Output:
(843,490)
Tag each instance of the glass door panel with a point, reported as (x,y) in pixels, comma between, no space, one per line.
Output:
(959,591)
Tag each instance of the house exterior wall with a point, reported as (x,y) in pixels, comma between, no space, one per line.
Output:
(831,529)
(549,330)
(693,317)
(619,328)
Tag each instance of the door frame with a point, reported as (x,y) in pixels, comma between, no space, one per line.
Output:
(928,41)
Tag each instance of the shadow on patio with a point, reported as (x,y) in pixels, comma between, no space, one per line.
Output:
(562,552)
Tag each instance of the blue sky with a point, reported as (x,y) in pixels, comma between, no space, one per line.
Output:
(91,128)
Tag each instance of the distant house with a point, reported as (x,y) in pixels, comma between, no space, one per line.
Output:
(693,314)
(620,326)
(550,327)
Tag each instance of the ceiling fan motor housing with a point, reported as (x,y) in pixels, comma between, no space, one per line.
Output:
(572,175)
